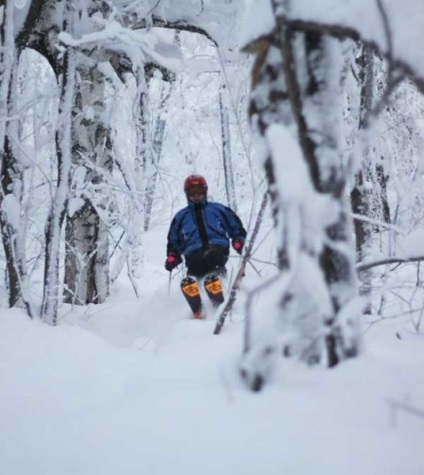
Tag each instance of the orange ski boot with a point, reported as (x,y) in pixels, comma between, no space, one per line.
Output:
(214,290)
(191,293)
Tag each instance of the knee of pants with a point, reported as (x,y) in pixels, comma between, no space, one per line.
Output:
(216,258)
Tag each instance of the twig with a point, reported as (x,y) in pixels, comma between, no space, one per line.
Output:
(266,263)
(240,273)
(377,222)
(390,260)
(254,267)
(153,8)
(398,405)
(169,283)
(387,30)
(131,278)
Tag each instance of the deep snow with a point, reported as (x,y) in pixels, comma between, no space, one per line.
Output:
(134,386)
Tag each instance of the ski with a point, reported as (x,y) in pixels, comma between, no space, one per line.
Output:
(214,290)
(191,292)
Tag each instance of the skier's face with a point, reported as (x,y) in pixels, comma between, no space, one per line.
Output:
(196,194)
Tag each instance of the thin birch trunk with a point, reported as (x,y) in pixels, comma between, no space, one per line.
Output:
(87,240)
(11,169)
(360,194)
(226,150)
(7,60)
(144,170)
(158,137)
(52,286)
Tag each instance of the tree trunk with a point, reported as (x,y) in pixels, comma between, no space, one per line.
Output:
(144,171)
(360,194)
(292,87)
(51,291)
(158,137)
(11,169)
(87,243)
(11,230)
(86,275)
(226,150)
(336,263)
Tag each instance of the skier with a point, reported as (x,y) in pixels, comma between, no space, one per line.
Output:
(201,232)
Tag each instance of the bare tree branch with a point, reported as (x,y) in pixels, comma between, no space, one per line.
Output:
(392,79)
(173,25)
(387,29)
(153,8)
(390,260)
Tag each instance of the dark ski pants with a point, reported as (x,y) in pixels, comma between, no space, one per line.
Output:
(210,260)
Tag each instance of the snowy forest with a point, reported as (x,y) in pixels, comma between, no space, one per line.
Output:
(307,119)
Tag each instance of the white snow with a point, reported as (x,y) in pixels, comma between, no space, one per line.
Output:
(412,245)
(136,42)
(134,386)
(11,207)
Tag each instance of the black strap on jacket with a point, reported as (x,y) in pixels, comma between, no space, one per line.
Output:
(200,224)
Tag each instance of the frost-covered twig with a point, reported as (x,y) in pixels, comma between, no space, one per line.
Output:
(131,278)
(254,267)
(377,222)
(390,260)
(153,8)
(260,261)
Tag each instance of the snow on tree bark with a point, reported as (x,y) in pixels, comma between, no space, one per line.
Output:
(295,87)
(86,262)
(226,150)
(53,232)
(158,137)
(360,194)
(12,222)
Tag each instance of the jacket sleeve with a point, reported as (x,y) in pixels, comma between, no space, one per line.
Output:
(174,245)
(235,226)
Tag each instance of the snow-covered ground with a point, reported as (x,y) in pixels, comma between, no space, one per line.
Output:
(134,386)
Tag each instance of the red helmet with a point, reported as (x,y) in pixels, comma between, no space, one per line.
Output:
(195,180)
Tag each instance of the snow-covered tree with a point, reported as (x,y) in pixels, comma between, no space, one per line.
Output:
(86,43)
(295,108)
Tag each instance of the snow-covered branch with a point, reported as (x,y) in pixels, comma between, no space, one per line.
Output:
(380,26)
(363,266)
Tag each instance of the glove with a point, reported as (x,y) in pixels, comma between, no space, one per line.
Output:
(237,245)
(172,261)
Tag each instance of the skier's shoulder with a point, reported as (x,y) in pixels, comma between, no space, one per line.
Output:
(221,207)
(181,213)
(217,205)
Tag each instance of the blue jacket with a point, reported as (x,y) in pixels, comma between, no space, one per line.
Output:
(197,226)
